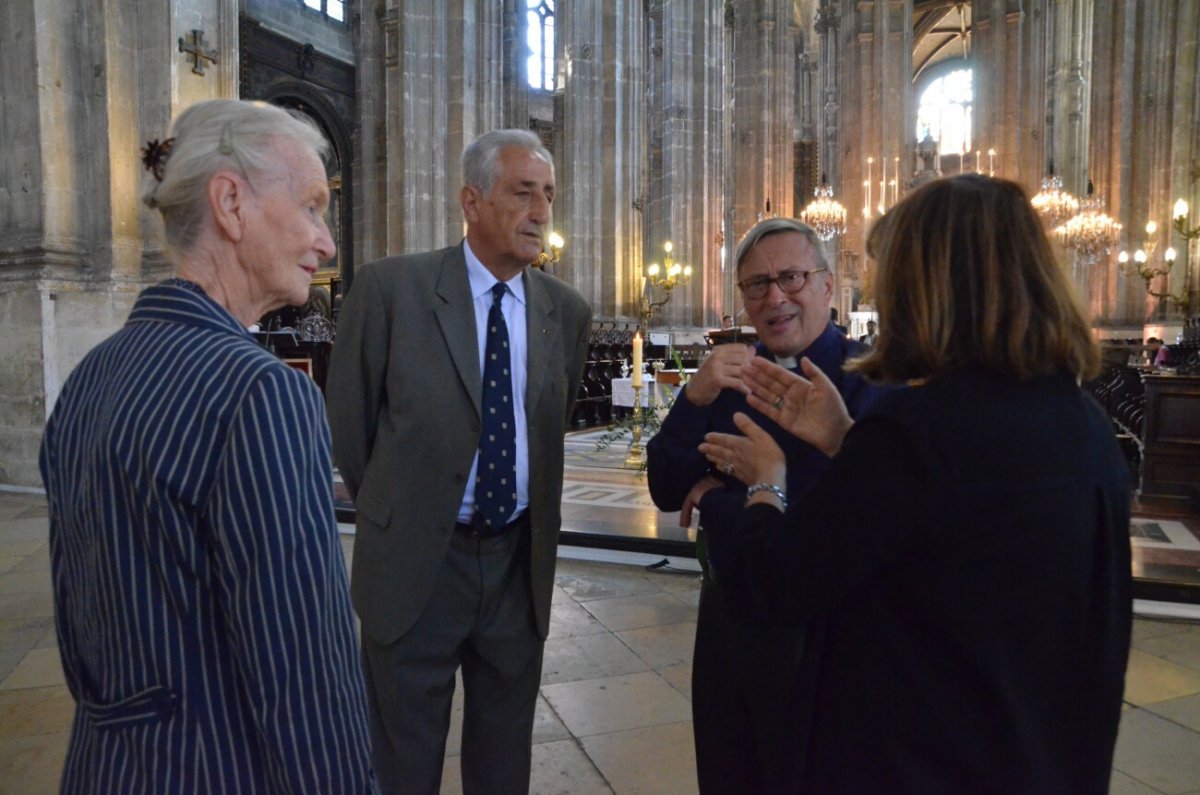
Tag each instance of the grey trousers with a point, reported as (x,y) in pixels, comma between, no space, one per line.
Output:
(479,617)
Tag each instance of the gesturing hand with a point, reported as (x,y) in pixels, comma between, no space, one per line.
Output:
(721,370)
(753,458)
(809,408)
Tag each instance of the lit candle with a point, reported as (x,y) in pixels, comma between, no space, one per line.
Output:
(1180,212)
(637,359)
(867,206)
(883,186)
(991,162)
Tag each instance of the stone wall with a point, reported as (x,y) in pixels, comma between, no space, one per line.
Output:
(83,84)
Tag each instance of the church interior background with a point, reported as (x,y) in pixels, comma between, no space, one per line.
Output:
(669,120)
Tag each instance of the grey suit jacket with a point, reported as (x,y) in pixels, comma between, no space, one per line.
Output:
(404,393)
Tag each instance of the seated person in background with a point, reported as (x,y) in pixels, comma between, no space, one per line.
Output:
(748,713)
(869,338)
(1157,352)
(726,321)
(966,554)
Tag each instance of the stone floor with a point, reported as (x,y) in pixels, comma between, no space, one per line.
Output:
(614,711)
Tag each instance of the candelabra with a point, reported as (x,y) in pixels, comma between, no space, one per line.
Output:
(666,278)
(1090,233)
(1141,264)
(1143,270)
(555,242)
(1179,215)
(824,213)
(1052,203)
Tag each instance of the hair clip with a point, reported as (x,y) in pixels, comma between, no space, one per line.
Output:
(154,156)
(225,146)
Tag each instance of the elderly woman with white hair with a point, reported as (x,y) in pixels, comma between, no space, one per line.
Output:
(200,593)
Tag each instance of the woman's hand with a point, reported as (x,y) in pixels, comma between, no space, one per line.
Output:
(809,408)
(753,458)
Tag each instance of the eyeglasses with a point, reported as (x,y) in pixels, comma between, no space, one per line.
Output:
(789,281)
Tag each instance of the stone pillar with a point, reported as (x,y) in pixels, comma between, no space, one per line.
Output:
(686,157)
(442,85)
(513,54)
(601,175)
(877,111)
(1145,143)
(997,39)
(83,85)
(763,111)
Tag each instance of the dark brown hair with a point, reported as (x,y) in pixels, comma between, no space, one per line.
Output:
(966,277)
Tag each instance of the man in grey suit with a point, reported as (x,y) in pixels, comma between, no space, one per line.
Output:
(448,572)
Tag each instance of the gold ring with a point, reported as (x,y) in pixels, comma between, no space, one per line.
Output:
(728,469)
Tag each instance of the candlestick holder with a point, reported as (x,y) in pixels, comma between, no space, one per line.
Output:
(636,458)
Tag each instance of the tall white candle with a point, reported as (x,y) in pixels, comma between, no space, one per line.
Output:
(870,163)
(637,359)
(883,185)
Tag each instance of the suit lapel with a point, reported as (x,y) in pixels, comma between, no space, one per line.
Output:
(456,317)
(541,327)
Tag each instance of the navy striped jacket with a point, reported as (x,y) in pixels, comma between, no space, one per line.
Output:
(199,588)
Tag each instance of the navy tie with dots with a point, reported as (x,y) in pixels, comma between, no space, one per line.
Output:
(496,479)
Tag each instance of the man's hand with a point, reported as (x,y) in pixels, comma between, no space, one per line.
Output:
(721,370)
(702,487)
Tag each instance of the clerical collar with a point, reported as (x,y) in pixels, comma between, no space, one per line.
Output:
(787,361)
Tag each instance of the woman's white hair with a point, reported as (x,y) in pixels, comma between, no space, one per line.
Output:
(481,159)
(220,135)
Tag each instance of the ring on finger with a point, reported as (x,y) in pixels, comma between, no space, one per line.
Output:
(778,402)
(728,469)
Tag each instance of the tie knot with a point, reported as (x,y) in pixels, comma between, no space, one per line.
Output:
(498,291)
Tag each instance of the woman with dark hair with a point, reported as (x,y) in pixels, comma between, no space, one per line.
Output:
(964,561)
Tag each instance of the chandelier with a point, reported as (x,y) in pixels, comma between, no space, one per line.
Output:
(824,213)
(1052,203)
(1090,233)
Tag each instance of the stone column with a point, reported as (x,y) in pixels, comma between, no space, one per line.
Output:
(1000,88)
(83,85)
(442,85)
(601,174)
(685,202)
(877,111)
(763,111)
(1144,117)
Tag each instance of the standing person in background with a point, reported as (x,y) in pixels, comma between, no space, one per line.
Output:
(452,381)
(868,339)
(748,713)
(967,550)
(199,586)
(833,318)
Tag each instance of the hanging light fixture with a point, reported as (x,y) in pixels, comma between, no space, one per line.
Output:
(1052,203)
(824,213)
(1090,233)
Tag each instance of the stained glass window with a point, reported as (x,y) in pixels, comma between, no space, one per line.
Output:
(539,35)
(945,112)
